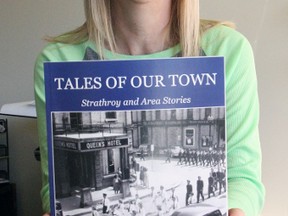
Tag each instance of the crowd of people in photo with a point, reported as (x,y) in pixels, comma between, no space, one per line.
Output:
(164,201)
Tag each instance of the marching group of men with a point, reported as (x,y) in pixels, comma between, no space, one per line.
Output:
(201,157)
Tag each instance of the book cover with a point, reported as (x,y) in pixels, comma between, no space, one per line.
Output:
(137,137)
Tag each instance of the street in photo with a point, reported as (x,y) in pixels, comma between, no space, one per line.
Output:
(147,162)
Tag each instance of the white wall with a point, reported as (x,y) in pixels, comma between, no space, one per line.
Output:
(22,27)
(264,22)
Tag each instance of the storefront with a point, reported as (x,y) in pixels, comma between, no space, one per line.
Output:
(197,129)
(89,160)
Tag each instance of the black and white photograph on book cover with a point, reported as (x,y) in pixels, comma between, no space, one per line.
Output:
(140,162)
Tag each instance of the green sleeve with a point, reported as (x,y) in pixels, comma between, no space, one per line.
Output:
(245,188)
(51,53)
(41,123)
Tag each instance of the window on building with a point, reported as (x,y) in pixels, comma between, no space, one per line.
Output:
(190,137)
(108,161)
(190,114)
(208,113)
(110,117)
(173,114)
(206,141)
(143,115)
(76,121)
(158,114)
(144,135)
(111,163)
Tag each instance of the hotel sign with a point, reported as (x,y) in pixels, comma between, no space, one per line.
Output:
(91,145)
(103,144)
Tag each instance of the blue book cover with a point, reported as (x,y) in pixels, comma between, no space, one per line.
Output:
(137,137)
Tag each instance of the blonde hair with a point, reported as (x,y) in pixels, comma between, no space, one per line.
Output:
(186,27)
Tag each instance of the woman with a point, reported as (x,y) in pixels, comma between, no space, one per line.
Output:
(134,29)
(116,184)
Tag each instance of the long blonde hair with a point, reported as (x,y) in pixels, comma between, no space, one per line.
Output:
(186,27)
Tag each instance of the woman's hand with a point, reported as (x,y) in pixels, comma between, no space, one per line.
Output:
(236,212)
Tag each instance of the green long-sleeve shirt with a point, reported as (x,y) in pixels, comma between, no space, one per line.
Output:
(245,189)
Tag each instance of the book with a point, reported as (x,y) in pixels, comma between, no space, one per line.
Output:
(137,137)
